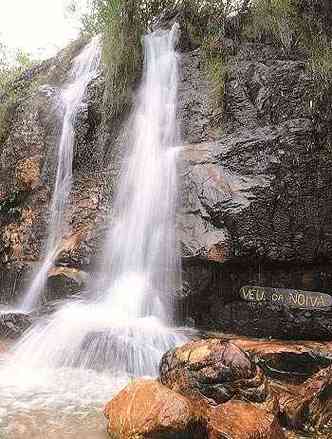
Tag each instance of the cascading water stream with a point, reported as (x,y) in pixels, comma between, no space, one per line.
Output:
(87,349)
(84,70)
(141,255)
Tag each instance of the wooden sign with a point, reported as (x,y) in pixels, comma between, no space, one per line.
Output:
(288,297)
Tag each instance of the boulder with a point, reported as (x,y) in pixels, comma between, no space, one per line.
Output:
(287,360)
(309,405)
(147,409)
(242,420)
(213,370)
(65,281)
(13,324)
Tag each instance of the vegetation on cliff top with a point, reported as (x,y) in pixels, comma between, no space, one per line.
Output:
(122,24)
(300,28)
(292,25)
(11,67)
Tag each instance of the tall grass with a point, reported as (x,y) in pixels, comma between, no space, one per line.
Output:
(288,25)
(275,20)
(122,24)
(119,23)
(301,27)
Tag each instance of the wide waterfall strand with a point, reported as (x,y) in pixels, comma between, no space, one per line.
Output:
(85,68)
(143,267)
(125,329)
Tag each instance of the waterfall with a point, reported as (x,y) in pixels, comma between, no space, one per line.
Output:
(126,327)
(84,70)
(141,252)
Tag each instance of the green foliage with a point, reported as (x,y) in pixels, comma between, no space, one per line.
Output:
(320,63)
(215,66)
(303,27)
(297,25)
(217,73)
(11,204)
(290,25)
(211,30)
(276,19)
(122,24)
(11,67)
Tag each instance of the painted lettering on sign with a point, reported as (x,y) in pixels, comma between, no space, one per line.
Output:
(283,296)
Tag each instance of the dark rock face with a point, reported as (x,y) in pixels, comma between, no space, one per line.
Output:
(256,199)
(268,320)
(194,103)
(213,370)
(265,181)
(12,324)
(27,174)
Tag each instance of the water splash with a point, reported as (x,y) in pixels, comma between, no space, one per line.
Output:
(84,70)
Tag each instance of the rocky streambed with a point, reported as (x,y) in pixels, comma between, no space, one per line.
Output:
(230,387)
(215,386)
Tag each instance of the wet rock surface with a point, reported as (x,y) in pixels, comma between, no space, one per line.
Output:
(13,324)
(289,361)
(198,381)
(147,409)
(258,180)
(308,406)
(213,370)
(240,420)
(255,193)
(27,170)
(65,282)
(268,320)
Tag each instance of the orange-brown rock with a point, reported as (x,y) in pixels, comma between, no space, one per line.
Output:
(242,420)
(15,234)
(147,409)
(295,360)
(28,173)
(214,370)
(309,404)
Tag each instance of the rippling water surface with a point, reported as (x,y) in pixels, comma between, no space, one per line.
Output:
(55,403)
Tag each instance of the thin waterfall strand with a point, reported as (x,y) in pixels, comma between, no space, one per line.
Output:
(84,70)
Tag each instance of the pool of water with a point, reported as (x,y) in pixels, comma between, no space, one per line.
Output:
(54,403)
